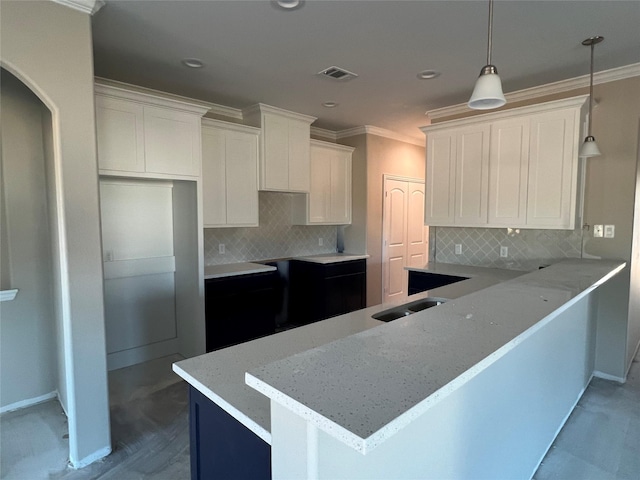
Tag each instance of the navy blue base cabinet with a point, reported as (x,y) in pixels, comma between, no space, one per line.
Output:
(221,447)
(423,281)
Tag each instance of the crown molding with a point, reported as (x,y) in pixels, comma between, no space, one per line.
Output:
(85,6)
(236,127)
(113,88)
(572,102)
(562,86)
(380,132)
(334,146)
(259,108)
(324,133)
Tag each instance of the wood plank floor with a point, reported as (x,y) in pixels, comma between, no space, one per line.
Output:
(149,421)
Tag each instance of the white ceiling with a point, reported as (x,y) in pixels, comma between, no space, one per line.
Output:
(255,52)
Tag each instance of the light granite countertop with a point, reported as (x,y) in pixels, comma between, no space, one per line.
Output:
(220,375)
(364,388)
(327,258)
(233,269)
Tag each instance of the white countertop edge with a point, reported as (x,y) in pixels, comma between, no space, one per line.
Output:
(364,446)
(226,406)
(327,258)
(245,268)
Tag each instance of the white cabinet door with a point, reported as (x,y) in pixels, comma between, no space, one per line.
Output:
(172,142)
(552,170)
(440,178)
(299,159)
(472,176)
(508,172)
(120,132)
(320,191)
(340,197)
(214,184)
(329,198)
(274,164)
(242,179)
(229,175)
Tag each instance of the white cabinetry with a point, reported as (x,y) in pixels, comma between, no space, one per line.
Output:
(458,176)
(229,174)
(515,168)
(142,135)
(284,148)
(329,199)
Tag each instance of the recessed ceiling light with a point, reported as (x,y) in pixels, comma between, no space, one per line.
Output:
(288,4)
(330,104)
(192,63)
(428,74)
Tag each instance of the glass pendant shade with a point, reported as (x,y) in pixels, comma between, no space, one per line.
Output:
(487,93)
(589,148)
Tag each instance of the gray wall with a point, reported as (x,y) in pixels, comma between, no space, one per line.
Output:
(48,47)
(27,342)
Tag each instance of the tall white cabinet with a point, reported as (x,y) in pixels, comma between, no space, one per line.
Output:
(329,198)
(515,168)
(229,174)
(284,147)
(149,159)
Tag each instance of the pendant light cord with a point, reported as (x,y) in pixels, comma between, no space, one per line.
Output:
(490,32)
(591,90)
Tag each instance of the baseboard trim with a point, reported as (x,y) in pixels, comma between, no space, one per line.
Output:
(89,459)
(29,402)
(606,376)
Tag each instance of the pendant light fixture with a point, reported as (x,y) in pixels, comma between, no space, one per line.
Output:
(589,147)
(487,93)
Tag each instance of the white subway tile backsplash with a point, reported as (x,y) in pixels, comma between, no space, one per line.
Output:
(274,238)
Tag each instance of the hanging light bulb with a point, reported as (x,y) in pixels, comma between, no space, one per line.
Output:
(590,148)
(487,93)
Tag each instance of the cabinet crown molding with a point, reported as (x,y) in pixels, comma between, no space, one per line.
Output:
(125,91)
(85,6)
(334,146)
(238,127)
(263,108)
(572,102)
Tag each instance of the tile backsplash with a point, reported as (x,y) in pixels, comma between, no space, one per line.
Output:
(527,249)
(274,238)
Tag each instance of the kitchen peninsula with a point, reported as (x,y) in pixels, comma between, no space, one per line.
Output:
(446,392)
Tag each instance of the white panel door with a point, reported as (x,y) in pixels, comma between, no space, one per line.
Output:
(508,172)
(417,233)
(299,159)
(440,177)
(395,239)
(551,170)
(120,132)
(241,178)
(214,174)
(172,142)
(472,175)
(274,163)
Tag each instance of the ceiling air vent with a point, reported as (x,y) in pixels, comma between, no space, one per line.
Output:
(337,73)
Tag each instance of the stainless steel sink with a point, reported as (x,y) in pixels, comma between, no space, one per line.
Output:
(408,308)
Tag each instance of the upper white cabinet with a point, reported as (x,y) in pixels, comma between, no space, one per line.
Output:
(145,135)
(329,199)
(515,168)
(457,176)
(229,174)
(284,148)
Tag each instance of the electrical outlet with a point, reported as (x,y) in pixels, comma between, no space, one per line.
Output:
(504,252)
(221,248)
(458,249)
(598,231)
(609,231)
(320,241)
(108,256)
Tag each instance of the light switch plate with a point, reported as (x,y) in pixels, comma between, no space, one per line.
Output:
(609,231)
(504,252)
(221,248)
(458,249)
(598,231)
